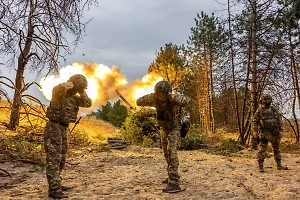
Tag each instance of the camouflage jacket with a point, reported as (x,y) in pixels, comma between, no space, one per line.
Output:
(168,116)
(267,119)
(63,106)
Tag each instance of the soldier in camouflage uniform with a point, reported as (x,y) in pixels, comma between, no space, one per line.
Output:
(168,109)
(63,109)
(267,126)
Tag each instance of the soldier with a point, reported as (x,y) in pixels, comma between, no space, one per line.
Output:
(66,99)
(168,109)
(267,126)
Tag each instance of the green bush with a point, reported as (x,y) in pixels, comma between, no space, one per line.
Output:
(131,131)
(138,128)
(194,139)
(227,147)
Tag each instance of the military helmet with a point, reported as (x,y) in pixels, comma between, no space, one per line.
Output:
(79,81)
(163,86)
(265,96)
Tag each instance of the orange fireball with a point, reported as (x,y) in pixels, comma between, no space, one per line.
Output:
(102,83)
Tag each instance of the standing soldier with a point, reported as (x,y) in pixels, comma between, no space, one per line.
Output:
(267,126)
(168,109)
(66,99)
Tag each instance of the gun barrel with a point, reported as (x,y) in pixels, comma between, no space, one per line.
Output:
(123,99)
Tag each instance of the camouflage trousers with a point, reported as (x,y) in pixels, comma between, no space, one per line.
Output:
(169,143)
(56,145)
(265,138)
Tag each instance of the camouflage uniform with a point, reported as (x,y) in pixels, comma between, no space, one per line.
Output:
(168,116)
(267,122)
(63,109)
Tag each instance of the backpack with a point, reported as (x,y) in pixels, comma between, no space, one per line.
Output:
(269,119)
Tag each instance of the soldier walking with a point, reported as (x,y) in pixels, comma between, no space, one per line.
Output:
(168,109)
(267,126)
(66,99)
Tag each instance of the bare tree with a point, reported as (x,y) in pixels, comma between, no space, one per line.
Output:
(37,33)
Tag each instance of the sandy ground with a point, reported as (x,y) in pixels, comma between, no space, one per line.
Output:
(137,173)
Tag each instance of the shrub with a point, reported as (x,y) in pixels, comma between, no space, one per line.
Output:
(131,130)
(139,128)
(227,147)
(194,139)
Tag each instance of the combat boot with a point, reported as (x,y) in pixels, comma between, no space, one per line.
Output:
(280,166)
(261,166)
(57,195)
(172,188)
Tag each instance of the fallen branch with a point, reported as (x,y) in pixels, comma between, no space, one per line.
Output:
(5,172)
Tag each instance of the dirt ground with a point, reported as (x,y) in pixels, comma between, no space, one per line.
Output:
(137,173)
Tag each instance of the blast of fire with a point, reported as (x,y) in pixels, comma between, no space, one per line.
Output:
(102,83)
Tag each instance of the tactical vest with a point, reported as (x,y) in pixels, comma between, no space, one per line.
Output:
(269,119)
(64,110)
(167,116)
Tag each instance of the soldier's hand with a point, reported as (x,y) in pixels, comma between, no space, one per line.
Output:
(82,93)
(69,85)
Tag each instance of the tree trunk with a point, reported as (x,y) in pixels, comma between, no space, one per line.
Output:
(253,85)
(22,61)
(237,112)
(211,92)
(15,110)
(295,87)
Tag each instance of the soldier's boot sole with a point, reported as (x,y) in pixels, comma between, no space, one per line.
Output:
(172,188)
(57,195)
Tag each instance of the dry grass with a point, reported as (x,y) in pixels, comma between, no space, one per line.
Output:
(26,143)
(4,111)
(96,130)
